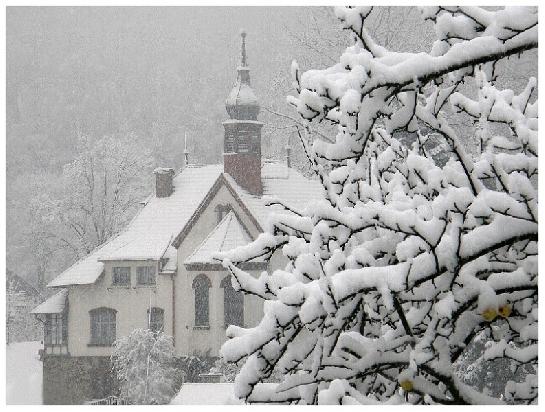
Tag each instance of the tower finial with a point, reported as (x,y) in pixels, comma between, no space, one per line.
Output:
(243,35)
(186,152)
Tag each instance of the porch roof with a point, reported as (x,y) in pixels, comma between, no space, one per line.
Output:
(55,304)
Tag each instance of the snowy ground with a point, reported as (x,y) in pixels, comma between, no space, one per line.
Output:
(23,374)
(205,394)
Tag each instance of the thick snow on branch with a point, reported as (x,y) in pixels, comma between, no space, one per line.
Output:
(393,275)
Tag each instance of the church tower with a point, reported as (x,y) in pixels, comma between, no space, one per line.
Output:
(242,140)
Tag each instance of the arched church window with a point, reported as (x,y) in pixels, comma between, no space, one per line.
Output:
(233,304)
(201,288)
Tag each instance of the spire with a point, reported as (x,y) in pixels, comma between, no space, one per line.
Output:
(243,62)
(243,69)
(242,104)
(242,139)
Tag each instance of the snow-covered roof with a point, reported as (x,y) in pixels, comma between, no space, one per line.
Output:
(227,235)
(170,256)
(242,95)
(217,393)
(283,183)
(150,234)
(55,304)
(206,394)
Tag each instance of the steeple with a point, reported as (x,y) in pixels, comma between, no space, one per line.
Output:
(243,48)
(242,103)
(242,141)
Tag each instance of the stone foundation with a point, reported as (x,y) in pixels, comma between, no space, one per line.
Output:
(75,380)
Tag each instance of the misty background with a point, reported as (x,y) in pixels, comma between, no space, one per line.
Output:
(97,97)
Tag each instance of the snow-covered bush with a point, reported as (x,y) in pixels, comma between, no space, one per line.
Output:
(143,362)
(192,366)
(405,261)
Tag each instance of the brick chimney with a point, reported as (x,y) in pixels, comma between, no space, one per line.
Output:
(242,139)
(163,181)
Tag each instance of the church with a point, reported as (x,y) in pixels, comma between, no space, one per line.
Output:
(159,271)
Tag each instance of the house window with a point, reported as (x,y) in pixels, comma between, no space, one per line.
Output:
(201,286)
(102,326)
(156,319)
(55,329)
(145,275)
(121,276)
(233,304)
(221,211)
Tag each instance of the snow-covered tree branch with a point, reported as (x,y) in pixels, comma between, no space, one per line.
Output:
(405,261)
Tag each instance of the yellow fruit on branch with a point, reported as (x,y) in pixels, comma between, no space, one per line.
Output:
(406,385)
(504,311)
(489,314)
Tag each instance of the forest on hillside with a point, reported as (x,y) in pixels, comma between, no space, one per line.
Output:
(99,97)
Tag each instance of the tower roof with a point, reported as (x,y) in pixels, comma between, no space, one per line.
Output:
(242,103)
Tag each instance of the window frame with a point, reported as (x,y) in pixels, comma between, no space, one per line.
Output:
(101,328)
(148,274)
(55,330)
(115,273)
(201,290)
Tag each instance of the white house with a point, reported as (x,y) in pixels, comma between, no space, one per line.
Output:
(158,272)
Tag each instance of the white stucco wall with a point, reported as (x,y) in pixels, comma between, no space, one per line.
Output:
(131,304)
(190,340)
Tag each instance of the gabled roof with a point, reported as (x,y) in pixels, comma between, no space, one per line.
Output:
(227,235)
(236,191)
(150,233)
(55,304)
(164,222)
